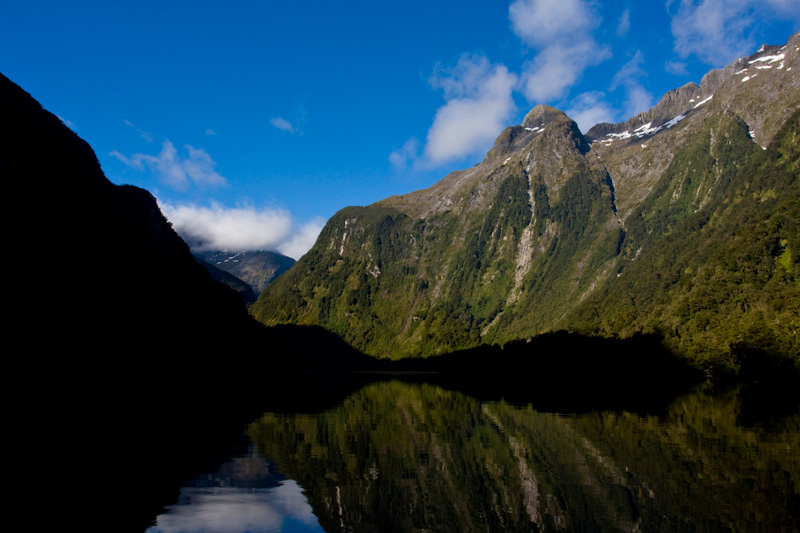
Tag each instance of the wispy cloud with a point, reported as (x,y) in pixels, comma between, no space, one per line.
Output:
(624,24)
(67,123)
(282,124)
(176,170)
(209,131)
(405,157)
(715,31)
(588,109)
(638,98)
(563,33)
(591,108)
(676,67)
(217,227)
(143,134)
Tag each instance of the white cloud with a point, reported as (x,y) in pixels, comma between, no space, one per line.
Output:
(717,31)
(479,94)
(241,228)
(175,170)
(638,98)
(303,239)
(231,229)
(209,131)
(479,104)
(557,68)
(588,109)
(539,23)
(562,32)
(282,124)
(624,24)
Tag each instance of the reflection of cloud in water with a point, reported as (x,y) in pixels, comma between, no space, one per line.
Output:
(234,510)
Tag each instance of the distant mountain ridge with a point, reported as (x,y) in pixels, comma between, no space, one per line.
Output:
(257,268)
(680,221)
(226,278)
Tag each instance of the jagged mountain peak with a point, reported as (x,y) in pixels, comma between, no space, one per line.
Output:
(546,136)
(747,87)
(542,115)
(541,121)
(675,103)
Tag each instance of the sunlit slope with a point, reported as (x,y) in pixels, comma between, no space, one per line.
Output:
(431,271)
(617,232)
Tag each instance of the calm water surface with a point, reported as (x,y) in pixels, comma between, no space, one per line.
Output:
(396,456)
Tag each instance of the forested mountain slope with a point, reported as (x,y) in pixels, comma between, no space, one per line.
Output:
(680,221)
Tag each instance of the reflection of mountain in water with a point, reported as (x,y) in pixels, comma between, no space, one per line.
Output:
(402,457)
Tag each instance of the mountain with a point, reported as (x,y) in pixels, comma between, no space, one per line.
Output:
(106,271)
(680,222)
(226,278)
(120,345)
(257,268)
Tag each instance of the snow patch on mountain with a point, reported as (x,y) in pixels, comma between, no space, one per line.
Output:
(703,101)
(673,122)
(645,130)
(769,59)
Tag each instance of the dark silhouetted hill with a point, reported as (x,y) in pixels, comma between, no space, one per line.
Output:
(121,347)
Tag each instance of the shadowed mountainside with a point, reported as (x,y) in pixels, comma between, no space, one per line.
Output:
(121,344)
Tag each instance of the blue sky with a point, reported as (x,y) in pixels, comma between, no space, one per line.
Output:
(253,122)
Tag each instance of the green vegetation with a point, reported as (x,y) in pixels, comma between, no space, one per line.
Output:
(717,274)
(393,285)
(708,260)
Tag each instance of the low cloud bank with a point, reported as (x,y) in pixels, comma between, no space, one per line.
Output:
(218,227)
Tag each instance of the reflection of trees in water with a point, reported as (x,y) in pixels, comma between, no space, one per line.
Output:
(402,457)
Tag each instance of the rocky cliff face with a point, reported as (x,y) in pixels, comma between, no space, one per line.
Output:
(516,244)
(762,90)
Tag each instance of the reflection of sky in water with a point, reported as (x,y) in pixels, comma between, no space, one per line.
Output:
(234,510)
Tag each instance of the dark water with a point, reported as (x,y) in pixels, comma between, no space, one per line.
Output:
(397,456)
